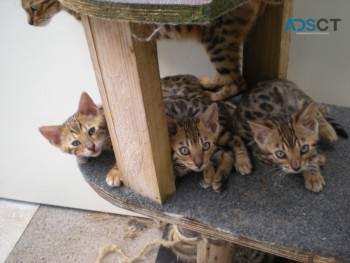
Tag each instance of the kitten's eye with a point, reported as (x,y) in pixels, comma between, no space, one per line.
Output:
(206,146)
(184,151)
(304,149)
(92,131)
(280,154)
(76,143)
(34,7)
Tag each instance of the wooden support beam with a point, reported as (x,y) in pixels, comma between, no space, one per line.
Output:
(266,51)
(128,79)
(209,251)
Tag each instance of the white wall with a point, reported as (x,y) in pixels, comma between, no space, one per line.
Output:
(44,70)
(320,64)
(42,74)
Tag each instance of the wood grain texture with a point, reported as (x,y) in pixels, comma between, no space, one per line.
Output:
(128,79)
(208,252)
(153,11)
(266,51)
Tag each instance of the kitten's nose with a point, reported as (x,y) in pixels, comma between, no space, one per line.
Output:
(91,147)
(295,165)
(198,161)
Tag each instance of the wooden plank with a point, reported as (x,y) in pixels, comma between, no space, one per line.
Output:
(153,11)
(128,79)
(266,50)
(208,252)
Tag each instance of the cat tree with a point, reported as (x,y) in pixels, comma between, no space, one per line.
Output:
(128,79)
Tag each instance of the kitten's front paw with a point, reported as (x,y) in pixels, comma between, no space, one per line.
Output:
(243,166)
(314,183)
(204,184)
(219,182)
(321,159)
(113,178)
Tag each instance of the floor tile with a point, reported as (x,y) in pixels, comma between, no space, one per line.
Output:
(14,218)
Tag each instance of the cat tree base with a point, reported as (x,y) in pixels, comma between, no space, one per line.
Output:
(263,211)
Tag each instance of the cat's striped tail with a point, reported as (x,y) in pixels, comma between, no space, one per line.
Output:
(341,132)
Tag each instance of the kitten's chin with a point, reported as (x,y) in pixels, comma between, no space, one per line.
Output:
(93,154)
(196,169)
(291,171)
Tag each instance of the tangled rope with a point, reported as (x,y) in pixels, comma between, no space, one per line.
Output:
(184,247)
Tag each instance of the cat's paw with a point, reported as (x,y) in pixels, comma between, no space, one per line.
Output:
(244,166)
(113,178)
(330,134)
(204,184)
(208,82)
(219,182)
(314,183)
(321,159)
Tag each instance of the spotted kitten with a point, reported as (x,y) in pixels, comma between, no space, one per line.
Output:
(40,12)
(284,125)
(84,135)
(201,134)
(222,39)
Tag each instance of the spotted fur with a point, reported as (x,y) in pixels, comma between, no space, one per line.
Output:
(201,134)
(283,125)
(40,12)
(222,39)
(84,134)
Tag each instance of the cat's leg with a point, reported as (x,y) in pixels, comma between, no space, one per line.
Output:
(208,176)
(222,172)
(313,178)
(114,177)
(326,129)
(243,163)
(224,89)
(82,159)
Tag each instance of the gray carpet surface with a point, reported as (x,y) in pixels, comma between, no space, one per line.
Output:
(263,206)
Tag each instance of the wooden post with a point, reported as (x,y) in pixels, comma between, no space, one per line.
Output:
(266,50)
(215,252)
(128,80)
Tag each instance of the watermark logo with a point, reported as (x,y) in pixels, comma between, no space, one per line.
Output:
(312,26)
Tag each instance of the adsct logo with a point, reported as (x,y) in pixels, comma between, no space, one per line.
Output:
(312,26)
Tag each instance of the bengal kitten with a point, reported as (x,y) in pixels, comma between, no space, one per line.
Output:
(40,12)
(284,125)
(222,39)
(201,133)
(85,135)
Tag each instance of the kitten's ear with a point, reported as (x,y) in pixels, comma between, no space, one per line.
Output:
(307,117)
(172,127)
(86,105)
(260,130)
(210,118)
(52,134)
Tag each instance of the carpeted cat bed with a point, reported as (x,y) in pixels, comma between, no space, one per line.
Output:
(276,211)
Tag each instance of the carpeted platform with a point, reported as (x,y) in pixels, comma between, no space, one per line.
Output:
(263,207)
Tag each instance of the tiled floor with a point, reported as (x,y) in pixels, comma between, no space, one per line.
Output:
(14,218)
(32,233)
